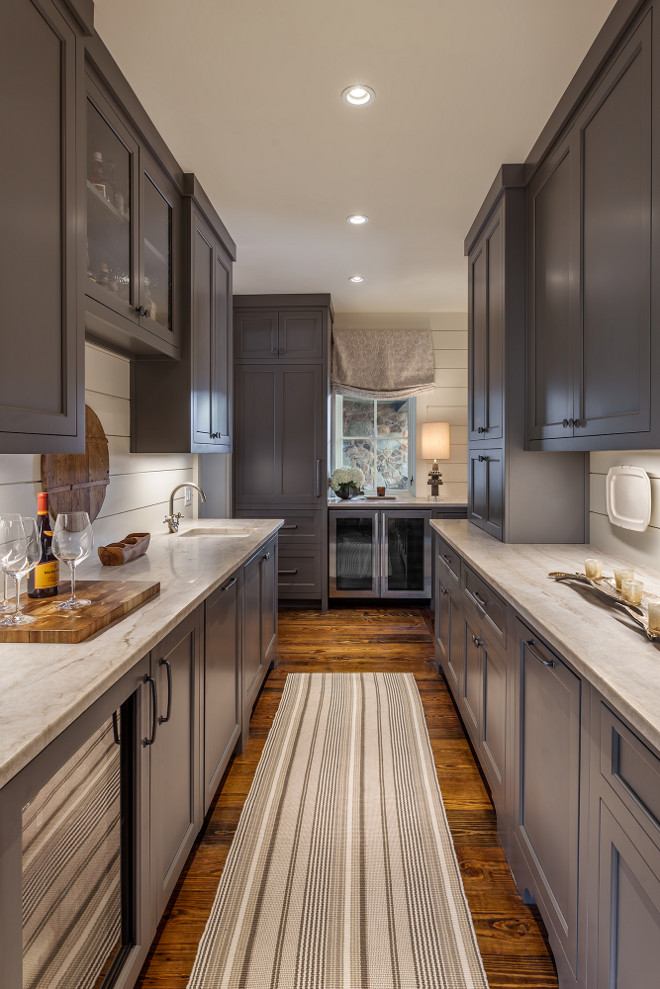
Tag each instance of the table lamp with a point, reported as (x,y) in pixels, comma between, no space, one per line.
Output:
(435,446)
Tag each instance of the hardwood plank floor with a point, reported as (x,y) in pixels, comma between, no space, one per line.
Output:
(510,934)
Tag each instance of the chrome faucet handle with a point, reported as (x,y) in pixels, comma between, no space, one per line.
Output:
(172,521)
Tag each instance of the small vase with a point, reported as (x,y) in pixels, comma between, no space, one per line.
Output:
(347,491)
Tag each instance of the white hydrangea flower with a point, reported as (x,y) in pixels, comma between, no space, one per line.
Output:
(357,477)
(341,475)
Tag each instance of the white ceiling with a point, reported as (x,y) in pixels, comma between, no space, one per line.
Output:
(246,93)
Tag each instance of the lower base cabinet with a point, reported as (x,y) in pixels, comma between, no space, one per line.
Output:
(175,805)
(125,789)
(576,791)
(222,683)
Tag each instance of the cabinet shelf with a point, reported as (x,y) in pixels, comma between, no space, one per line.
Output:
(99,198)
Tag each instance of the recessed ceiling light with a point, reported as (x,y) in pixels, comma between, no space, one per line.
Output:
(357,219)
(358,95)
(356,278)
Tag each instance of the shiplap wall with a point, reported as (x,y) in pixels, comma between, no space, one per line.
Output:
(636,547)
(137,496)
(448,403)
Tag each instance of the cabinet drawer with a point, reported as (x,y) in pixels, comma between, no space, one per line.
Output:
(301,527)
(630,768)
(489,603)
(299,573)
(448,558)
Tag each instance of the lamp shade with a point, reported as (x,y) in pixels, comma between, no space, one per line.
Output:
(435,441)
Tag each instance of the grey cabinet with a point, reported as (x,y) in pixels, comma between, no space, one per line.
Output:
(625,856)
(590,267)
(486,332)
(280,334)
(486,489)
(515,495)
(280,435)
(281,388)
(41,409)
(546,832)
(222,682)
(198,414)
(133,245)
(258,625)
(175,807)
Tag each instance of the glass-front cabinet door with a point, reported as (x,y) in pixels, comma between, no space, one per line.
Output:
(354,554)
(111,171)
(405,554)
(157,207)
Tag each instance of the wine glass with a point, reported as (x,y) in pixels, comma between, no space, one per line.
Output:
(5,605)
(20,551)
(72,543)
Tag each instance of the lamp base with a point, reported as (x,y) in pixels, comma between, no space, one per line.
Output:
(435,480)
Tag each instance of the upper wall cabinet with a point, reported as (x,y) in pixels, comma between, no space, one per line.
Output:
(590,257)
(486,332)
(42,367)
(269,334)
(197,416)
(133,234)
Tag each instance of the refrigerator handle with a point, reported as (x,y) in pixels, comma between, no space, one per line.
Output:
(375,557)
(384,550)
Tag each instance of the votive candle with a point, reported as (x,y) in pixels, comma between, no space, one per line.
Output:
(593,568)
(631,591)
(623,573)
(654,616)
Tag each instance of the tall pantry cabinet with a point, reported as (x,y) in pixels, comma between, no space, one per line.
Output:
(281,350)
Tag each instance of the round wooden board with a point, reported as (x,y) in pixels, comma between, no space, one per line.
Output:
(76,482)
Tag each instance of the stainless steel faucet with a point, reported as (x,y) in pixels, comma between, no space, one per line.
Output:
(172,520)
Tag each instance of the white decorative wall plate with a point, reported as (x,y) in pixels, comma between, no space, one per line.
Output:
(628,491)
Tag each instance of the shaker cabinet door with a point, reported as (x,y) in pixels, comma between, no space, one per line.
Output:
(222,668)
(42,365)
(615,138)
(486,490)
(486,332)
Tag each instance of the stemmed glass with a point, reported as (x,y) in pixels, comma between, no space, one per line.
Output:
(20,551)
(6,605)
(72,543)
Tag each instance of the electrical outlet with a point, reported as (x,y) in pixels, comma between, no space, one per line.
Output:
(187,497)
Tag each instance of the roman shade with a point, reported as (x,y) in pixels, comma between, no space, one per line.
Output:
(382,363)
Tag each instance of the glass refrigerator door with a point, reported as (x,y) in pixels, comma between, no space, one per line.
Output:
(353,554)
(406,555)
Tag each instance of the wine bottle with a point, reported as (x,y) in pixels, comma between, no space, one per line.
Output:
(43,580)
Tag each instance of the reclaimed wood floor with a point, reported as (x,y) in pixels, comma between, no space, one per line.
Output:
(510,935)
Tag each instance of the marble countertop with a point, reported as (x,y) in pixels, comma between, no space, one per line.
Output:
(605,646)
(45,687)
(400,501)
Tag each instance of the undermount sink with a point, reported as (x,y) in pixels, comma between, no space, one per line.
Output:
(221,530)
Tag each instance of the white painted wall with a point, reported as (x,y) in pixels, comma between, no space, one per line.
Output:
(448,403)
(642,548)
(136,498)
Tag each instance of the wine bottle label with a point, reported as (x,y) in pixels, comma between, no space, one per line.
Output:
(46,575)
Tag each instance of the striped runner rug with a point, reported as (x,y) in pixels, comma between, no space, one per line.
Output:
(342,873)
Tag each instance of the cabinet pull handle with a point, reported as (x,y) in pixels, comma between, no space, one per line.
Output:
(477,641)
(163,720)
(481,458)
(266,556)
(273,351)
(115,728)
(545,662)
(151,680)
(280,351)
(447,559)
(482,429)
(230,583)
(290,525)
(482,601)
(444,591)
(286,573)
(317,491)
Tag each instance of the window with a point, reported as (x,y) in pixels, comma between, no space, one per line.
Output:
(378,436)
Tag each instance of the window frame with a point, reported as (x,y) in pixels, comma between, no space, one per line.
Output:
(337,436)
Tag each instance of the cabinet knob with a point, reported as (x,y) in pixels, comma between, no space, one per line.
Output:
(280,351)
(477,641)
(274,351)
(481,458)
(482,429)
(266,556)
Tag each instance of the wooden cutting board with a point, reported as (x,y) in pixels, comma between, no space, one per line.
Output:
(111,599)
(76,482)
